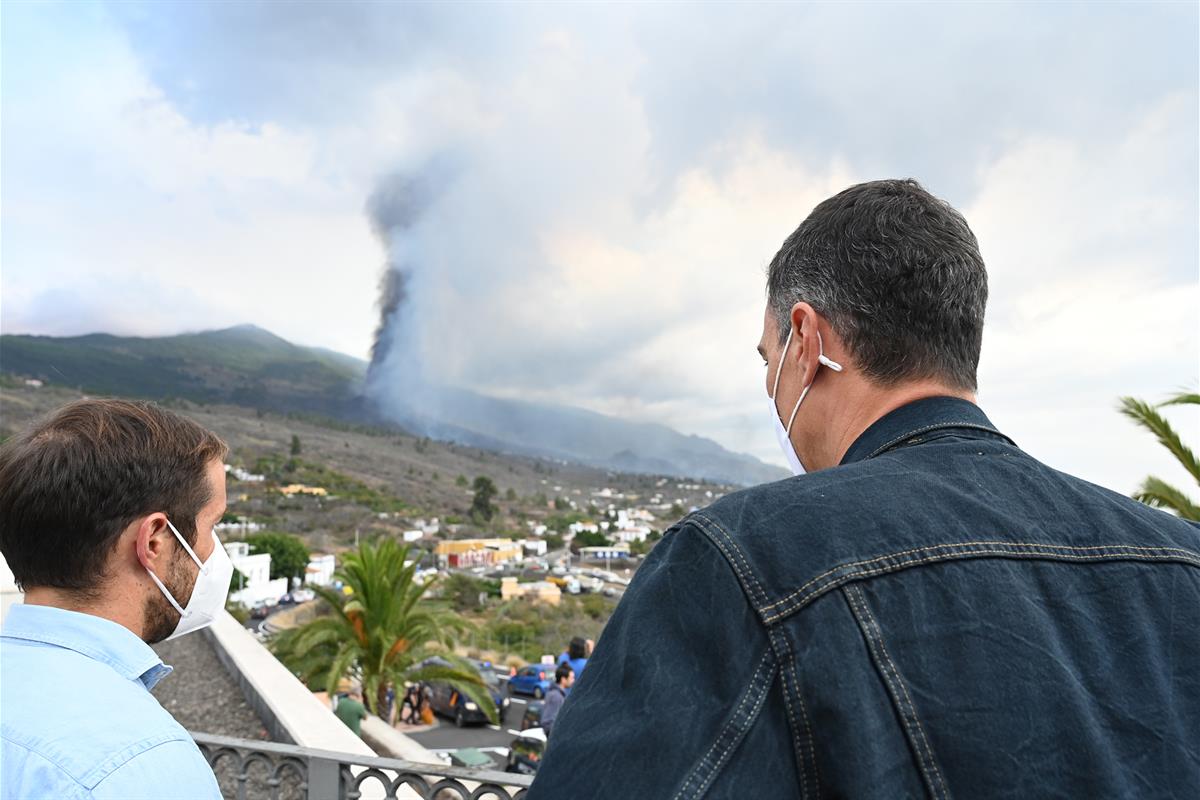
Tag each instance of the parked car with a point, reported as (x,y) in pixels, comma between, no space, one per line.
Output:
(261,612)
(534,679)
(532,718)
(448,701)
(525,752)
(303,595)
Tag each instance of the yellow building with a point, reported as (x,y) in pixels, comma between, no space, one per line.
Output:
(538,592)
(300,488)
(478,552)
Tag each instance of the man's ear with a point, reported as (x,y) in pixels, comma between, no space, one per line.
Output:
(806,324)
(816,337)
(154,546)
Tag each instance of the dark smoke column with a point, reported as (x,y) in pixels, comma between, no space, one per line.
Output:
(395,208)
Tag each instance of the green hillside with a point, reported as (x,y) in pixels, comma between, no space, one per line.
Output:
(244,365)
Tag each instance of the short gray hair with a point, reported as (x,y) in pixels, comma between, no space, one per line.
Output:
(898,274)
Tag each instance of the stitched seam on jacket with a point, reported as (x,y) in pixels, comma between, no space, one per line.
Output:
(703,762)
(808,728)
(703,773)
(799,752)
(874,636)
(927,548)
(799,598)
(714,531)
(883,448)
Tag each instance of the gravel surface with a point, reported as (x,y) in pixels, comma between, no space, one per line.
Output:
(204,698)
(201,694)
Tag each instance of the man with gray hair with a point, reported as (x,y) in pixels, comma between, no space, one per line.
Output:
(929,611)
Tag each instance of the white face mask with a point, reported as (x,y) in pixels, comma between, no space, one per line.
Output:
(783,434)
(208,595)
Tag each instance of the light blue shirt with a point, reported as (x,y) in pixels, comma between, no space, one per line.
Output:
(78,720)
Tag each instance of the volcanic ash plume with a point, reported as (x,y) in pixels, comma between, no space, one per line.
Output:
(395,208)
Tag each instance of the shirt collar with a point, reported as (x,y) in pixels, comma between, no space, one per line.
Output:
(95,637)
(921,416)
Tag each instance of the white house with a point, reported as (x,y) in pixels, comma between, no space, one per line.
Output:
(244,475)
(256,586)
(635,533)
(612,551)
(534,547)
(242,527)
(431,527)
(414,535)
(320,569)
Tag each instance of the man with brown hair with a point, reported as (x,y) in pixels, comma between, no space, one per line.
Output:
(107,510)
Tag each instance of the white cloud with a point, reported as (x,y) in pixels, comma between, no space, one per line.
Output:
(128,218)
(1091,253)
(617,187)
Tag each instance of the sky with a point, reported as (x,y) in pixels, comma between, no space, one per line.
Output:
(604,186)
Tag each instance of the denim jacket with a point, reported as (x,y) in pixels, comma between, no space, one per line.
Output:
(940,615)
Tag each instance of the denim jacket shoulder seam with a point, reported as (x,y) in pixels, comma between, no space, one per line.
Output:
(731,734)
(904,559)
(897,690)
(716,533)
(807,735)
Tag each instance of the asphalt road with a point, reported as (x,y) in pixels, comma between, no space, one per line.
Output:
(484,737)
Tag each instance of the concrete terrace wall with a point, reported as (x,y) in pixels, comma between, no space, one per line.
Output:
(288,709)
(290,712)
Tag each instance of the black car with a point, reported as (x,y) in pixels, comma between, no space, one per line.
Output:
(533,716)
(448,701)
(262,612)
(525,752)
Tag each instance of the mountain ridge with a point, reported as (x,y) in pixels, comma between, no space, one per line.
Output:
(248,366)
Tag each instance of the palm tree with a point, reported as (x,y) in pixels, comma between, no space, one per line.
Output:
(1155,491)
(384,632)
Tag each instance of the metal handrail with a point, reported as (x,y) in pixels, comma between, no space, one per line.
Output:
(331,775)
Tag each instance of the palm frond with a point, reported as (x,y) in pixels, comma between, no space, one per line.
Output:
(1146,416)
(339,668)
(1183,398)
(467,682)
(385,606)
(1160,494)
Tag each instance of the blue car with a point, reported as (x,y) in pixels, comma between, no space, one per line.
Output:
(535,679)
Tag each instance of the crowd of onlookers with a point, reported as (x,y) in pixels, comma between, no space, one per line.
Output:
(415,706)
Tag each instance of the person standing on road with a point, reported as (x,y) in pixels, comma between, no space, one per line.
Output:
(412,699)
(564,679)
(924,609)
(351,711)
(389,705)
(576,655)
(107,510)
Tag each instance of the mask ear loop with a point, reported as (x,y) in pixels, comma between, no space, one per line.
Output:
(779,367)
(821,359)
(182,611)
(192,552)
(203,569)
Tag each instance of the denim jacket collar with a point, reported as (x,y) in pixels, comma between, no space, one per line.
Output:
(897,427)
